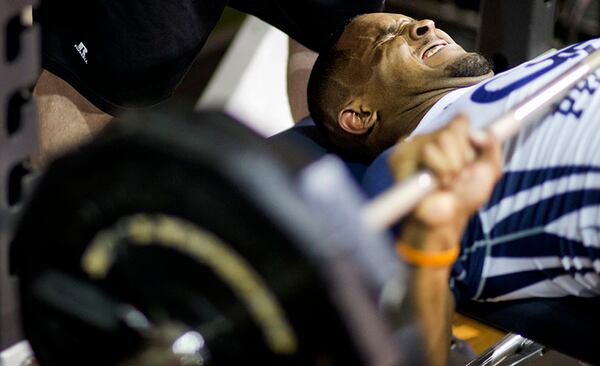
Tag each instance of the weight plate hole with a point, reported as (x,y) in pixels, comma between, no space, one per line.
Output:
(15,183)
(14,28)
(15,107)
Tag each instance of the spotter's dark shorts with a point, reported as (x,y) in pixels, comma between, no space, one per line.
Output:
(123,54)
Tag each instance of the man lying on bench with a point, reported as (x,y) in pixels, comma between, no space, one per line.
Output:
(389,76)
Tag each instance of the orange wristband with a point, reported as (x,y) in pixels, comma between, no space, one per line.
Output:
(442,258)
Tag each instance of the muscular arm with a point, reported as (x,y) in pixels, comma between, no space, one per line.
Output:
(467,168)
(65,118)
(300,63)
(431,303)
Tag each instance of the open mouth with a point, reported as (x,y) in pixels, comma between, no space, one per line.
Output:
(433,49)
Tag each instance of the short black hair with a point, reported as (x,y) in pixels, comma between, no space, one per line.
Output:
(326,95)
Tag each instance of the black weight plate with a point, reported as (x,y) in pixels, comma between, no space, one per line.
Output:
(200,174)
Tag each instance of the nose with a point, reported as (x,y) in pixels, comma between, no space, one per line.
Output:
(420,28)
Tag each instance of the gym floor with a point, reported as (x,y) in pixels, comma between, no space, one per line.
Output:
(480,337)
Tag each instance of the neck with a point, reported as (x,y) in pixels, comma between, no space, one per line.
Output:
(418,105)
(415,113)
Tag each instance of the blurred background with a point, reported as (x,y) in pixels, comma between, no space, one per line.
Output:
(570,20)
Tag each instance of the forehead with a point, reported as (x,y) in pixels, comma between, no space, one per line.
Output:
(369,26)
(376,20)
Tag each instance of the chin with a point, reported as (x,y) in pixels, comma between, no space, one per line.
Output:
(470,65)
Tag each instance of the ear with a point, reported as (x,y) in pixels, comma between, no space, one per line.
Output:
(356,118)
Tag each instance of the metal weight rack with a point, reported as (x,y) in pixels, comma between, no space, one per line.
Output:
(19,67)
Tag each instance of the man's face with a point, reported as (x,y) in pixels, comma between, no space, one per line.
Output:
(397,68)
(393,51)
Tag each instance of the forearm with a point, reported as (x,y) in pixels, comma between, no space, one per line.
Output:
(467,166)
(430,304)
(429,301)
(65,118)
(300,63)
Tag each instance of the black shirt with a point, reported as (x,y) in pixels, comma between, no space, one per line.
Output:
(132,53)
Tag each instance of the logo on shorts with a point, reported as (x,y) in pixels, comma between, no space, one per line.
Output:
(82,51)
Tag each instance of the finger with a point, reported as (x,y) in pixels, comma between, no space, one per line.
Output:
(451,148)
(437,208)
(467,149)
(480,138)
(475,184)
(461,120)
(491,153)
(490,149)
(406,157)
(434,160)
(476,187)
(469,152)
(403,160)
(459,127)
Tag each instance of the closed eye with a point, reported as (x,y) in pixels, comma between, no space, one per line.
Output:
(391,32)
(384,39)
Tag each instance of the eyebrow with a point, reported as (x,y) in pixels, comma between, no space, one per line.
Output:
(394,27)
(390,29)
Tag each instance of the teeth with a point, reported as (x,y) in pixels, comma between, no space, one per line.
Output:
(433,51)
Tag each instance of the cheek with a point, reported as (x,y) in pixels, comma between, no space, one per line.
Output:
(403,77)
(399,65)
(356,74)
(378,58)
(443,35)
